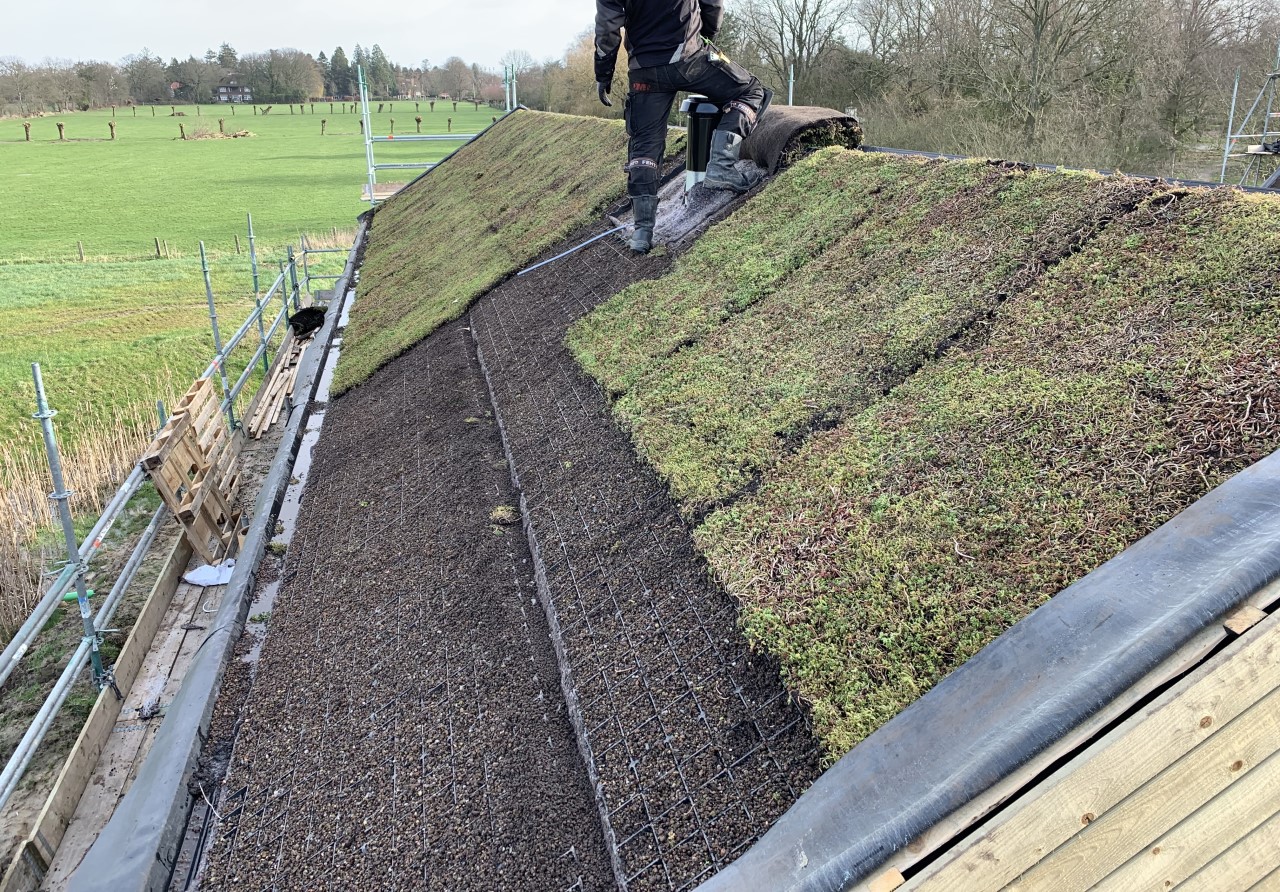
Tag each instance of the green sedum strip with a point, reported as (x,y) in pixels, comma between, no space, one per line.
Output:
(496,205)
(933,250)
(1135,376)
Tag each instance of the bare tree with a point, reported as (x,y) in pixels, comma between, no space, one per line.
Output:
(518,60)
(792,32)
(454,76)
(1040,49)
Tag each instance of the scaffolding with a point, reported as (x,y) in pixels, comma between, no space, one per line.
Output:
(270,316)
(371,193)
(1257,132)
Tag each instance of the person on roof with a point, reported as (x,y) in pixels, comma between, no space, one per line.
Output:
(670,49)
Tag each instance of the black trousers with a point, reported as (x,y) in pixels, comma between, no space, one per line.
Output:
(653,91)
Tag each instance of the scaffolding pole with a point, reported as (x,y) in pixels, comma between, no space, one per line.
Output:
(368,136)
(62,496)
(1256,124)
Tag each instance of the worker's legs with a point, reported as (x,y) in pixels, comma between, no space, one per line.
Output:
(742,99)
(646,115)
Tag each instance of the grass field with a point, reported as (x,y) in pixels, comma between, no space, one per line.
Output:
(124,327)
(117,197)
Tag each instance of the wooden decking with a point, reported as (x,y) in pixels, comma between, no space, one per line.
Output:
(1185,795)
(381,191)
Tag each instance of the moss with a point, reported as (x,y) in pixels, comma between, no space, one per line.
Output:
(497,204)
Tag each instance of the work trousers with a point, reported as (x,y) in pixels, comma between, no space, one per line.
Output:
(727,84)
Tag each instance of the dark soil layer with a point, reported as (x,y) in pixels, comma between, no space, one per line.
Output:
(696,746)
(406,728)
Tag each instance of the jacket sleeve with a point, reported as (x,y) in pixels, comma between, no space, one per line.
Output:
(712,15)
(611,15)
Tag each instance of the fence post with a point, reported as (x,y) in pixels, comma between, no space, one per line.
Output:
(293,280)
(306,267)
(62,496)
(220,361)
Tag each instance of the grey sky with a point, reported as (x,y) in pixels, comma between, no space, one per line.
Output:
(477,30)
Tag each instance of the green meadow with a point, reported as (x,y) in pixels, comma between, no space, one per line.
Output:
(123,328)
(118,197)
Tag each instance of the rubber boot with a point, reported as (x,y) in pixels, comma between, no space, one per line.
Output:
(722,172)
(645,208)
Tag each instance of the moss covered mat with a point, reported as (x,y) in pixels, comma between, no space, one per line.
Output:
(908,401)
(495,205)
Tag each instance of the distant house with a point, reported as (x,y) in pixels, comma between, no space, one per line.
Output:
(230,89)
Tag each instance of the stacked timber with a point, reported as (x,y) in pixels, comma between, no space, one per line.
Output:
(194,463)
(278,387)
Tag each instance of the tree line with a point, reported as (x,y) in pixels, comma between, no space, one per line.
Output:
(1111,83)
(276,75)
(1097,82)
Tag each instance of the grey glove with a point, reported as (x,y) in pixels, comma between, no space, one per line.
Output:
(603,88)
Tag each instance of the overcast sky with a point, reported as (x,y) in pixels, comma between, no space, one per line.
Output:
(477,30)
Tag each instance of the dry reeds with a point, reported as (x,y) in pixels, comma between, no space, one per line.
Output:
(93,468)
(333,238)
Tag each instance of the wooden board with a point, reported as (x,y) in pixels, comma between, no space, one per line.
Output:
(1111,770)
(1244,864)
(278,386)
(1242,807)
(1192,785)
(51,825)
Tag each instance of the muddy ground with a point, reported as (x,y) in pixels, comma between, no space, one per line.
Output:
(472,510)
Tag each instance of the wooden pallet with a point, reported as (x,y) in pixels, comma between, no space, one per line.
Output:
(194,463)
(277,389)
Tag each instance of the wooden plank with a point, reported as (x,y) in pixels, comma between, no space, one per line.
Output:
(25,872)
(1242,619)
(1269,883)
(166,440)
(51,824)
(1239,750)
(1114,767)
(172,644)
(886,882)
(1245,863)
(1243,806)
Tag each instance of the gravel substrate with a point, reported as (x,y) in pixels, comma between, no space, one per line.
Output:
(472,513)
(697,747)
(405,729)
